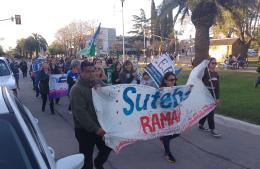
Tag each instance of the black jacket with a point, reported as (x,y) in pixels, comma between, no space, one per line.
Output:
(44,82)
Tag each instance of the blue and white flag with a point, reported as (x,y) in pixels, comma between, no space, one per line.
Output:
(90,49)
(36,64)
(159,67)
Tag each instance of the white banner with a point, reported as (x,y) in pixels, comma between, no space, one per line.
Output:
(58,86)
(129,113)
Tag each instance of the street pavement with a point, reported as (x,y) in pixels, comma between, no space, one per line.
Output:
(236,149)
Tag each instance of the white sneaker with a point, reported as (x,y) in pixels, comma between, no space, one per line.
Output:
(215,133)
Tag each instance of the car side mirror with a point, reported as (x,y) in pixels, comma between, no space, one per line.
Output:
(71,162)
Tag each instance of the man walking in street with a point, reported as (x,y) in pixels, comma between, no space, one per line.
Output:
(24,68)
(87,128)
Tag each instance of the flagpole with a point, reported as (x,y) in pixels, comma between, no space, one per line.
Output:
(214,95)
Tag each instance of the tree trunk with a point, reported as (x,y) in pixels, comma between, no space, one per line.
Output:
(203,17)
(245,47)
(201,44)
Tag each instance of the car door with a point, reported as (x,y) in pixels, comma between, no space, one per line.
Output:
(32,125)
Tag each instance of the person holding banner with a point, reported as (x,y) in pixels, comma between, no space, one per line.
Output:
(169,80)
(211,81)
(55,69)
(87,128)
(128,75)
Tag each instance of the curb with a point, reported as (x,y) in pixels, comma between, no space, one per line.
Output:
(238,124)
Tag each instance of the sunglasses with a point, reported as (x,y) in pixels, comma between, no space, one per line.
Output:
(213,63)
(171,80)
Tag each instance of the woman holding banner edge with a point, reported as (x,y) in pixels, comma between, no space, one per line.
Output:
(169,80)
(211,81)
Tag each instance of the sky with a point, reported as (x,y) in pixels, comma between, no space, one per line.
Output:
(46,17)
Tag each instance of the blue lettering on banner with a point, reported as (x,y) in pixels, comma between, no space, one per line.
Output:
(128,100)
(166,101)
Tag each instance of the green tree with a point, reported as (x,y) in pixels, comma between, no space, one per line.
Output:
(141,28)
(203,16)
(225,25)
(31,45)
(55,48)
(20,48)
(141,24)
(41,43)
(246,15)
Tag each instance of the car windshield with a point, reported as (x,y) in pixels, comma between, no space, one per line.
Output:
(12,154)
(4,71)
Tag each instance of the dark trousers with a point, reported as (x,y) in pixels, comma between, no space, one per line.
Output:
(35,86)
(211,121)
(166,142)
(44,100)
(52,104)
(24,73)
(87,142)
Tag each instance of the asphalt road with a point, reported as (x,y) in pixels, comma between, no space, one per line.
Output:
(236,149)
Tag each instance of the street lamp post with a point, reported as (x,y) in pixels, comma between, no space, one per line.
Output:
(144,44)
(122,1)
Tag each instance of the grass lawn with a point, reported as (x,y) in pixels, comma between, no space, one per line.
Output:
(239,98)
(253,64)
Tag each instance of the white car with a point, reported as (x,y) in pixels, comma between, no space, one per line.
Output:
(22,146)
(6,75)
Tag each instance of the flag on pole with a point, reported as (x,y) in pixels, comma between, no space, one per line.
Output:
(90,49)
(41,53)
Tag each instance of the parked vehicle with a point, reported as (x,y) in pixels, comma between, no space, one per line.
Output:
(22,145)
(251,52)
(243,63)
(6,76)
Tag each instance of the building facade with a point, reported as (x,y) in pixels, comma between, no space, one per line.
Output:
(107,38)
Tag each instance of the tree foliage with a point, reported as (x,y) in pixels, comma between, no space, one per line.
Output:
(141,24)
(73,37)
(30,45)
(246,15)
(225,25)
(55,49)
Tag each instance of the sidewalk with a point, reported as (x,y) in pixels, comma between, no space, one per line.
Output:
(238,148)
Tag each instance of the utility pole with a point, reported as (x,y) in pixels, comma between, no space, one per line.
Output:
(122,1)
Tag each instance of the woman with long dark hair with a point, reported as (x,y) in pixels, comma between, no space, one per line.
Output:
(169,80)
(116,72)
(128,75)
(211,81)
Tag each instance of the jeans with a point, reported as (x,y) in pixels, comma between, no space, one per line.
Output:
(87,142)
(166,142)
(211,121)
